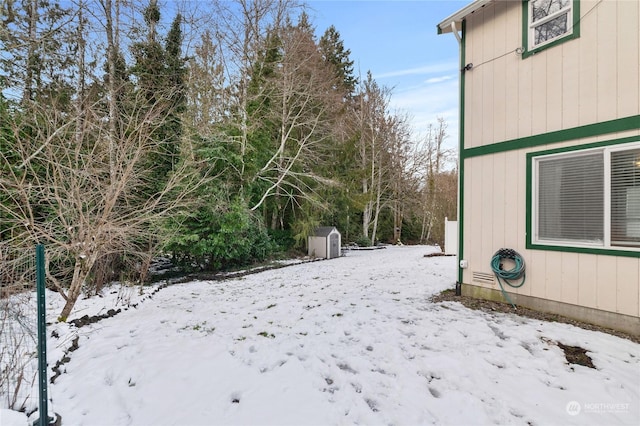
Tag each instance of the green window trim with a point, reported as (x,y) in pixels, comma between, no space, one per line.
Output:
(530,243)
(575,30)
(573,133)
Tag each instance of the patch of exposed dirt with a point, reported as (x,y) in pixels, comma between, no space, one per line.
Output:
(86,319)
(576,355)
(65,359)
(491,306)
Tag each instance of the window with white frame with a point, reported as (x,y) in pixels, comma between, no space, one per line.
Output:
(625,198)
(588,198)
(549,20)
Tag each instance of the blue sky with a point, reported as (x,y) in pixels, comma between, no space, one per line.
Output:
(397,41)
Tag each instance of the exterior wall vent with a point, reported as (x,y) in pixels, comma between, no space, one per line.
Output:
(483,278)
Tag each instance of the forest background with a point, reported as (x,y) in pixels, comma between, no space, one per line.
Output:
(221,133)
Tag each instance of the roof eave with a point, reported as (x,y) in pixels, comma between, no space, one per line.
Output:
(445,25)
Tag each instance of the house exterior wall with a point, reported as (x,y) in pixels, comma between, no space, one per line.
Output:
(579,92)
(591,79)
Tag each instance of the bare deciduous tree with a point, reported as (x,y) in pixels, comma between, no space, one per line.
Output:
(402,171)
(241,30)
(371,112)
(301,102)
(83,195)
(435,188)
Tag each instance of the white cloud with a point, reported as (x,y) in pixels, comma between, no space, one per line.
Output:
(426,93)
(434,80)
(428,101)
(424,70)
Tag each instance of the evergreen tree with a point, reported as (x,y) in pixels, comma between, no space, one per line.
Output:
(7,158)
(333,51)
(302,105)
(207,95)
(175,71)
(160,74)
(341,167)
(265,126)
(37,38)
(150,60)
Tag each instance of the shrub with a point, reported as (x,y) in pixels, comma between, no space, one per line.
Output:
(363,241)
(282,239)
(221,238)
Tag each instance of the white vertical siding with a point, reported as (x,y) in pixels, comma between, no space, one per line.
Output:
(570,277)
(606,50)
(590,79)
(628,58)
(627,291)
(583,81)
(570,88)
(587,295)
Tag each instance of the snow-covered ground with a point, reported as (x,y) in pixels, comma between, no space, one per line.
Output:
(353,340)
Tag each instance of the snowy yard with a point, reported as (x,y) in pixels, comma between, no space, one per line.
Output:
(353,340)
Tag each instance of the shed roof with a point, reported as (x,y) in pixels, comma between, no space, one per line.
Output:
(458,17)
(324,231)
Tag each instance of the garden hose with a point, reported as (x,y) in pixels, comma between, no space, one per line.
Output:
(515,273)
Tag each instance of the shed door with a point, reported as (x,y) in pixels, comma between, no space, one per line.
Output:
(334,248)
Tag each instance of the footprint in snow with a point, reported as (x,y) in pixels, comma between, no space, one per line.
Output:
(434,392)
(347,367)
(372,404)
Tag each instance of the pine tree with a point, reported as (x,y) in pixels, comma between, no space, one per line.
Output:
(333,51)
(341,146)
(207,94)
(8,158)
(175,71)
(150,60)
(37,38)
(160,83)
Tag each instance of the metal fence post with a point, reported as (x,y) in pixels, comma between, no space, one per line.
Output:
(43,413)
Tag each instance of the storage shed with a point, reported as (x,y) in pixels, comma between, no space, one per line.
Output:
(325,243)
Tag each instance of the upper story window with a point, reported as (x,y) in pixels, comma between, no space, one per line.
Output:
(549,21)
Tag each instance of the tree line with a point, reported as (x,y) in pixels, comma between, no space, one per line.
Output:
(219,132)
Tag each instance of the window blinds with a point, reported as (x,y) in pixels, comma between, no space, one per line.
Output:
(571,198)
(625,198)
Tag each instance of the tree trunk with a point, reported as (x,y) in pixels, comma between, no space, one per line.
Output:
(80,272)
(378,207)
(29,83)
(397,222)
(111,88)
(423,228)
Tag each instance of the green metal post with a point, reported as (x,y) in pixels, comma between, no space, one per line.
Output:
(43,413)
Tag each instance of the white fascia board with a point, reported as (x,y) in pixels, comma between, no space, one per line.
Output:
(445,25)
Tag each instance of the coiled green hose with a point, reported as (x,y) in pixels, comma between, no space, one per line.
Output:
(507,275)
